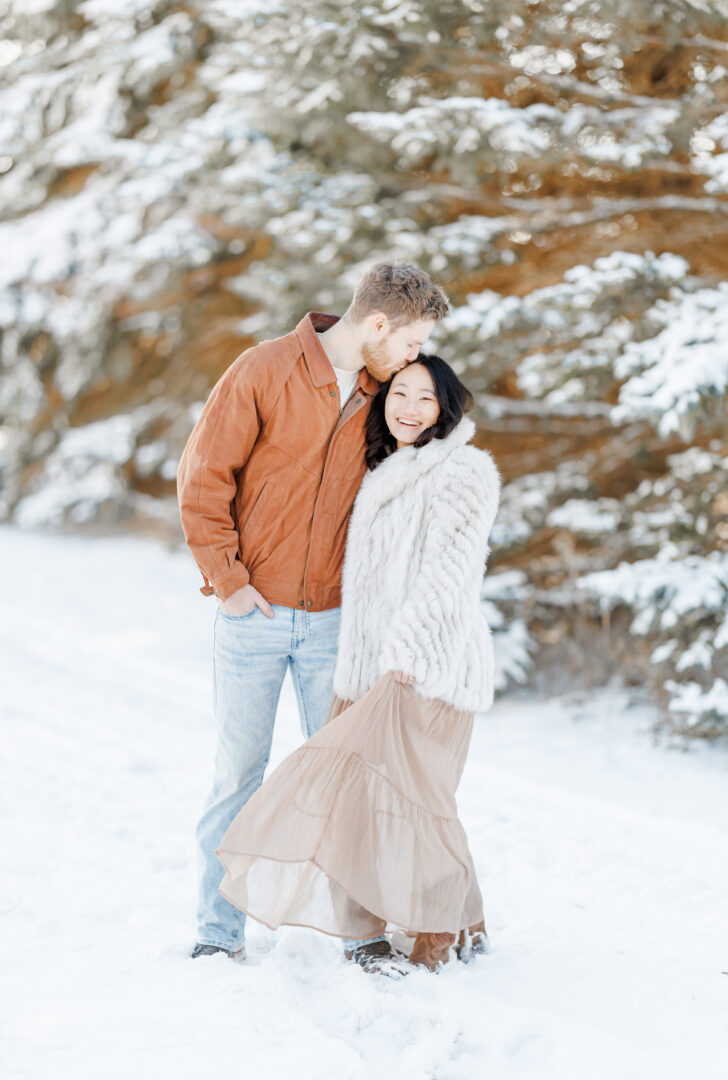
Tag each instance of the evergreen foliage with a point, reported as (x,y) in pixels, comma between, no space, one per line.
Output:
(180,180)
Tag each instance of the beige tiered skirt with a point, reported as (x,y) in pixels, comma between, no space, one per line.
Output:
(357,830)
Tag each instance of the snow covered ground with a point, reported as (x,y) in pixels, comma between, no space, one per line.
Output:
(603,860)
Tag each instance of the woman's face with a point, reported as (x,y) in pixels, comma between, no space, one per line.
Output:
(411,405)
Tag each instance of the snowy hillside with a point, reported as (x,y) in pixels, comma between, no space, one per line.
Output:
(603,859)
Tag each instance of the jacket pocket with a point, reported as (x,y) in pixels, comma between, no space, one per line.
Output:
(258,507)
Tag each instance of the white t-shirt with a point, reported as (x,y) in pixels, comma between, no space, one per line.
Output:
(347,380)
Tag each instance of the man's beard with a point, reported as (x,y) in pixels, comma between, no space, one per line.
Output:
(377,362)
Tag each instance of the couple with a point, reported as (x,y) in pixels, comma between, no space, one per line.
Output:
(335,510)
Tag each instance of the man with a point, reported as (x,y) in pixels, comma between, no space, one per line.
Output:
(266,484)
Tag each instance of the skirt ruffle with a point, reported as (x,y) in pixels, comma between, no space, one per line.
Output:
(357,830)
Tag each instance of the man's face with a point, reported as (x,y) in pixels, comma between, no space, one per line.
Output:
(388,349)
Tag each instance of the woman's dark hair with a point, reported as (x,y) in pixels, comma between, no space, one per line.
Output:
(453,398)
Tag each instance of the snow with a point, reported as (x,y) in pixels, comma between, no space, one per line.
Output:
(580,306)
(603,860)
(535,59)
(632,137)
(665,590)
(84,471)
(460,124)
(699,654)
(586,517)
(134,222)
(684,598)
(102,10)
(669,374)
(525,501)
(695,703)
(704,142)
(664,651)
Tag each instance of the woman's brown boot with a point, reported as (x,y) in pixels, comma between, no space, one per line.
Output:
(430,950)
(472,942)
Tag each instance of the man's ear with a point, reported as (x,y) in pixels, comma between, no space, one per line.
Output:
(378,322)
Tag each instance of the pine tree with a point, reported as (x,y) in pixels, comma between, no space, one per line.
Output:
(179,180)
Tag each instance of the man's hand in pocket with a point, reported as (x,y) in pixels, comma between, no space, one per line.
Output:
(244,600)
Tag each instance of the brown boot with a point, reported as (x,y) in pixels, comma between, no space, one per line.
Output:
(472,942)
(431,950)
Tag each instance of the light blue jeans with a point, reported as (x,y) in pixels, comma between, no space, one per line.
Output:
(251,656)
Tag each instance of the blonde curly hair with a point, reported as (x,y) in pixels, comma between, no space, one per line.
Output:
(402,291)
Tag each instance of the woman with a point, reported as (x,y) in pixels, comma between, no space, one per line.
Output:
(357,830)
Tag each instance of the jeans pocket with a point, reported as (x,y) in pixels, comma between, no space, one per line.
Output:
(237,618)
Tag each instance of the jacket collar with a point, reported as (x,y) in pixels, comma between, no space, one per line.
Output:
(318,363)
(400,470)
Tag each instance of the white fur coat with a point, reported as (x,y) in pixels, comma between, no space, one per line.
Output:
(415,559)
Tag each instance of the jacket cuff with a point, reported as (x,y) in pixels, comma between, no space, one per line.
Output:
(224,585)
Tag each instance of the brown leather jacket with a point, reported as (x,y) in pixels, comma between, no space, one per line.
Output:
(269,475)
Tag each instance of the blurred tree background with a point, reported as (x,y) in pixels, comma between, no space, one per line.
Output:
(180,180)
